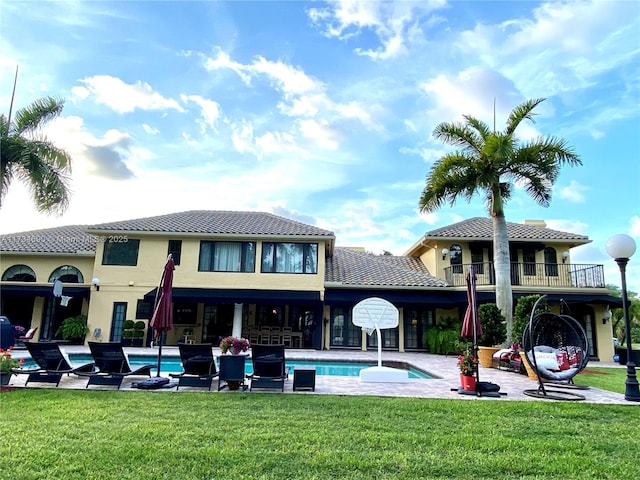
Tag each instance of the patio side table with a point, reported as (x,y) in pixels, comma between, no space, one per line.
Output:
(304,379)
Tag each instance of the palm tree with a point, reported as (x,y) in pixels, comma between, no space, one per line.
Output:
(489,163)
(27,155)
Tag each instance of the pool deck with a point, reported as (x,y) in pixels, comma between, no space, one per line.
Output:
(512,385)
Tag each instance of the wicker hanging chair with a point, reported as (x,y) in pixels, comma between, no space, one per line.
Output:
(557,349)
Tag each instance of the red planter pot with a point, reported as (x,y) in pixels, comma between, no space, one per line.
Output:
(468,383)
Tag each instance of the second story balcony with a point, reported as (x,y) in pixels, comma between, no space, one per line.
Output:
(532,275)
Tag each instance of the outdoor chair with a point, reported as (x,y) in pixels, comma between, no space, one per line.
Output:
(112,365)
(198,364)
(557,349)
(22,339)
(52,364)
(269,369)
(231,373)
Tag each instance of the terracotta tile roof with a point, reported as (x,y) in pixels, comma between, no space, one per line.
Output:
(215,222)
(481,228)
(67,239)
(351,267)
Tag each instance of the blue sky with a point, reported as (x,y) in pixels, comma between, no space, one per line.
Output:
(323,111)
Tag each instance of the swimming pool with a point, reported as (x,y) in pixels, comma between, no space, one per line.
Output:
(323,367)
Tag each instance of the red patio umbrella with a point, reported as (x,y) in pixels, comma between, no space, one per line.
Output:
(162,319)
(471,328)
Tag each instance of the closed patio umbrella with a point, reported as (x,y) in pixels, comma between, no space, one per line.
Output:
(162,319)
(471,328)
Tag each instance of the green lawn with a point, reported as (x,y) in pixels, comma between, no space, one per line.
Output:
(66,434)
(611,379)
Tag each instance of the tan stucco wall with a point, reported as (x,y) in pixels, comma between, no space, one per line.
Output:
(45,264)
(131,283)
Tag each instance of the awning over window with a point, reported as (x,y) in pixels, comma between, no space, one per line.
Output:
(397,297)
(229,295)
(30,290)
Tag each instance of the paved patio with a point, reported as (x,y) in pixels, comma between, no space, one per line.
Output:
(512,385)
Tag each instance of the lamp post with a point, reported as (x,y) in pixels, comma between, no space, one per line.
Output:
(621,247)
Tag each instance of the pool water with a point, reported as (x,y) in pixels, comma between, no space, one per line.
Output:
(173,365)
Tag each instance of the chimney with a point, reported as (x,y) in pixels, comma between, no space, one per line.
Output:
(536,223)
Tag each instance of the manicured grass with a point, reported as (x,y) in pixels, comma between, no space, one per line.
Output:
(611,379)
(66,434)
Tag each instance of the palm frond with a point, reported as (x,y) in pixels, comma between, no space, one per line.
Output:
(37,114)
(451,177)
(481,127)
(520,113)
(459,135)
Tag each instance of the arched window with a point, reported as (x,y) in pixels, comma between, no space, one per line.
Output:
(455,254)
(66,274)
(550,262)
(19,273)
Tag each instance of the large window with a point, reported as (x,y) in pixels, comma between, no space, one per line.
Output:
(416,322)
(343,332)
(19,273)
(66,274)
(121,251)
(529,261)
(455,257)
(289,257)
(118,317)
(477,259)
(550,262)
(175,250)
(227,256)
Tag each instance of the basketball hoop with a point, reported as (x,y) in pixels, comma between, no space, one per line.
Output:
(369,330)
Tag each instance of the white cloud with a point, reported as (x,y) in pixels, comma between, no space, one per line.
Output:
(574,192)
(599,39)
(209,109)
(321,133)
(150,130)
(123,97)
(393,23)
(634,230)
(242,137)
(107,157)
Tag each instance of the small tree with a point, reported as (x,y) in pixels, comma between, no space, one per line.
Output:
(494,328)
(522,314)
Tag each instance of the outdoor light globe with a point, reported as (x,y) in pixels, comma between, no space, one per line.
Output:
(621,246)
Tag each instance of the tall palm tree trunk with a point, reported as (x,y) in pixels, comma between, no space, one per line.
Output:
(502,265)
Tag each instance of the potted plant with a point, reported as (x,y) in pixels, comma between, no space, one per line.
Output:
(467,364)
(138,333)
(74,329)
(234,345)
(127,333)
(6,364)
(494,332)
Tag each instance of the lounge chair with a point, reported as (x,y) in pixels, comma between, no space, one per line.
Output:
(112,365)
(52,364)
(231,372)
(198,364)
(269,370)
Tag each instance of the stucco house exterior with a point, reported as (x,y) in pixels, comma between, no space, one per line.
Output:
(274,279)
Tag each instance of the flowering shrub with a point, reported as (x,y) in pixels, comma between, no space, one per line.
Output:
(7,363)
(467,361)
(20,330)
(234,345)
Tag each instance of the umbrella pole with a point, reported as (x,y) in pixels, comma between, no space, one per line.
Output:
(474,314)
(160,352)
(155,306)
